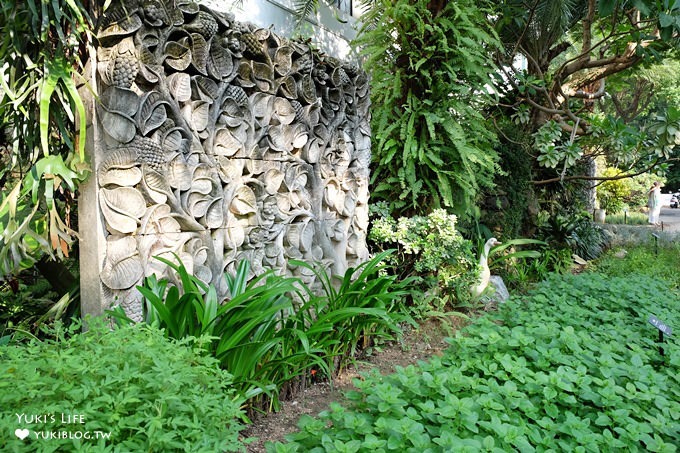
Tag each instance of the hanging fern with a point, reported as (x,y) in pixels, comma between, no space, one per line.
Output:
(430,70)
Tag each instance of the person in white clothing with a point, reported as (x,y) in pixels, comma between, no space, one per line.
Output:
(654,203)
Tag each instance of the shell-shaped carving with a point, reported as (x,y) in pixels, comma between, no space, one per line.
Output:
(283,113)
(178,56)
(155,186)
(229,141)
(123,265)
(244,201)
(118,126)
(282,60)
(306,89)
(122,208)
(120,100)
(124,177)
(272,180)
(179,84)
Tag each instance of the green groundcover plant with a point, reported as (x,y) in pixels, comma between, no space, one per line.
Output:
(574,366)
(126,390)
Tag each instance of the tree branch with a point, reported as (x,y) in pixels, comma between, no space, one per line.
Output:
(602,178)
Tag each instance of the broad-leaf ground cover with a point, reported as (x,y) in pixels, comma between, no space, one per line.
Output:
(573,366)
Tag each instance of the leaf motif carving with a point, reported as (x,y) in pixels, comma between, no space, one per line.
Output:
(214,217)
(125,177)
(120,100)
(229,141)
(119,127)
(284,113)
(199,53)
(123,265)
(220,64)
(273,179)
(178,56)
(207,87)
(283,60)
(179,176)
(180,86)
(172,139)
(155,186)
(244,201)
(122,207)
(200,114)
(234,236)
(152,113)
(126,25)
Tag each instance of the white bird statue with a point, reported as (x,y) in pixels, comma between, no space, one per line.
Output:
(485,273)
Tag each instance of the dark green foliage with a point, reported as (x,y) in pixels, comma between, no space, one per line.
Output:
(584,237)
(506,206)
(150,393)
(429,63)
(574,366)
(273,329)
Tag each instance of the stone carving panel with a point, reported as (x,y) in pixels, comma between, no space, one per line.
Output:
(222,141)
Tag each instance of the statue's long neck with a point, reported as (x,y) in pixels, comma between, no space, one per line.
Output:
(483,260)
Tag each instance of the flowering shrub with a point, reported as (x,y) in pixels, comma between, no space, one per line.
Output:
(431,249)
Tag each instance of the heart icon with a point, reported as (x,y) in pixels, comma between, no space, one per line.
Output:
(21,433)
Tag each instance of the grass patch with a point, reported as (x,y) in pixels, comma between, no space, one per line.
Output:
(637,260)
(632,218)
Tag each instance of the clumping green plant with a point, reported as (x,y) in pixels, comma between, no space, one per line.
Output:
(127,389)
(430,249)
(576,231)
(273,329)
(572,366)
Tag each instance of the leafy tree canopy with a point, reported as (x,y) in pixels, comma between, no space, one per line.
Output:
(557,58)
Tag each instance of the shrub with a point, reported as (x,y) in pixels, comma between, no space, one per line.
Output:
(584,237)
(146,392)
(572,367)
(430,249)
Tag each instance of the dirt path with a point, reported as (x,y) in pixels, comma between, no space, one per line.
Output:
(417,345)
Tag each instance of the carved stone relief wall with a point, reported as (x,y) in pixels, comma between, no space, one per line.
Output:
(223,141)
